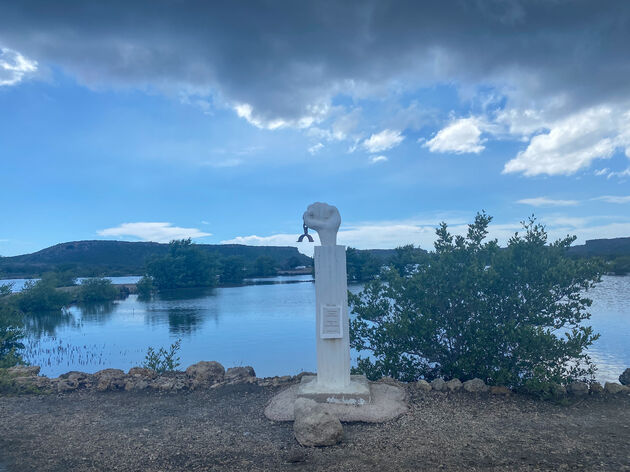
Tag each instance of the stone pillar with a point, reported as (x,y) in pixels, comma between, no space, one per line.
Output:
(332,332)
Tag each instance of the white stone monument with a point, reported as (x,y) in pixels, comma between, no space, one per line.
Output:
(333,383)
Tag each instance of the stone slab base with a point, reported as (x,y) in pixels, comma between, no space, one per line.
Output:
(388,402)
(357,393)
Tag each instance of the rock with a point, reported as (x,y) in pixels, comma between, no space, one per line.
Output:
(110,379)
(614,387)
(295,455)
(557,390)
(314,426)
(206,372)
(67,385)
(423,385)
(577,389)
(24,370)
(500,390)
(475,386)
(239,373)
(136,384)
(596,388)
(453,385)
(438,385)
(82,378)
(624,378)
(142,372)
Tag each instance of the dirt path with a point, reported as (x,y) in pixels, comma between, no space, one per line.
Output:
(225,429)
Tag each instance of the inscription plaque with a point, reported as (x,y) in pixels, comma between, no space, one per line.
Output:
(331,322)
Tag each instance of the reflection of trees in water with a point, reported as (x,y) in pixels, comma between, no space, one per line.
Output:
(185,293)
(96,311)
(184,321)
(45,323)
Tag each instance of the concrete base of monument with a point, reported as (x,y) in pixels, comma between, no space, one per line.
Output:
(357,393)
(387,402)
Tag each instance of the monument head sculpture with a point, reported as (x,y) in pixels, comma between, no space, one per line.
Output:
(325,219)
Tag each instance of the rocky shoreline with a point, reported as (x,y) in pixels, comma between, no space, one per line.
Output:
(211,374)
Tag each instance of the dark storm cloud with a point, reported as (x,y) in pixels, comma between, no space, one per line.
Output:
(282,57)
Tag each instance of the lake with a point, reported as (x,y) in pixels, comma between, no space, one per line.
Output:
(269,325)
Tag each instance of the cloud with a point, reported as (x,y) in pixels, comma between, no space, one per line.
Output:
(315,148)
(574,142)
(613,199)
(623,173)
(376,159)
(547,62)
(460,136)
(544,201)
(383,141)
(14,66)
(158,232)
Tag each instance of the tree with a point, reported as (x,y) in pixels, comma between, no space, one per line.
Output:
(97,290)
(232,270)
(42,295)
(509,316)
(361,265)
(185,265)
(264,266)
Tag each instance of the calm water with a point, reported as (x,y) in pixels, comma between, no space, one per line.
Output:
(268,326)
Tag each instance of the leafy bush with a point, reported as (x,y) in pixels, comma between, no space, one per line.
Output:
(184,266)
(97,290)
(42,296)
(162,360)
(11,334)
(620,265)
(508,316)
(144,287)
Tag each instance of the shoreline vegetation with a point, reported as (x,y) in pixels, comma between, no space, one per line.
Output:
(473,292)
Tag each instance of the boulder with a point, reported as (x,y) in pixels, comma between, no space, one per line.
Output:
(235,374)
(500,390)
(314,426)
(453,385)
(614,387)
(624,378)
(596,388)
(24,370)
(423,385)
(67,385)
(206,372)
(81,378)
(142,372)
(577,389)
(475,386)
(438,385)
(135,384)
(110,379)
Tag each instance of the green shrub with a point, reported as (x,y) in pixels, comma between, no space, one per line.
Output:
(97,290)
(506,315)
(144,287)
(42,296)
(162,360)
(11,334)
(232,270)
(184,266)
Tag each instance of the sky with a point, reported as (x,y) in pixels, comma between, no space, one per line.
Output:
(222,121)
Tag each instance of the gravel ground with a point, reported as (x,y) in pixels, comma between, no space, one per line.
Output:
(225,429)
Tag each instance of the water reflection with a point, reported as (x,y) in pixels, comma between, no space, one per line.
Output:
(270,327)
(46,323)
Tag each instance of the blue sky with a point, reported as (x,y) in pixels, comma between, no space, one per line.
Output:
(223,124)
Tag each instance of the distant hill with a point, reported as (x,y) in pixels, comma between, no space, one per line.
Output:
(613,247)
(127,258)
